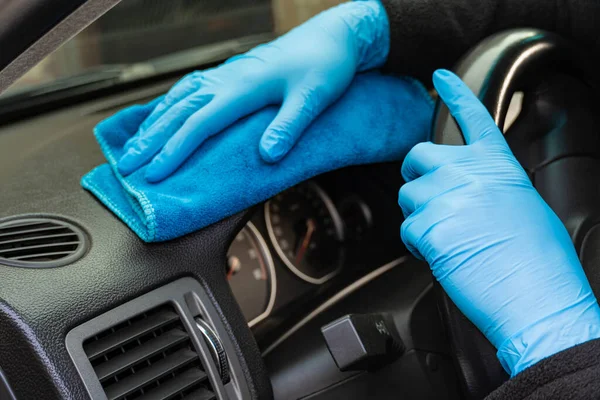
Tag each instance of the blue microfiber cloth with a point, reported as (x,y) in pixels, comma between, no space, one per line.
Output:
(378,119)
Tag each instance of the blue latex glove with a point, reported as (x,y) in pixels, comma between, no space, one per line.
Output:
(305,70)
(495,246)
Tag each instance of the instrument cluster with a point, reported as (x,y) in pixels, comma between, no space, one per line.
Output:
(304,232)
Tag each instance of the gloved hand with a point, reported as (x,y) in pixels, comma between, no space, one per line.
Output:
(305,70)
(495,246)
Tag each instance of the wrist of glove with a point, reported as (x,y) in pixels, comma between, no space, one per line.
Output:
(495,246)
(369,22)
(305,71)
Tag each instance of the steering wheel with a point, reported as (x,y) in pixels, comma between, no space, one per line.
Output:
(554,138)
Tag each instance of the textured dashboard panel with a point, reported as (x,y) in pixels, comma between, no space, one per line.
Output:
(41,162)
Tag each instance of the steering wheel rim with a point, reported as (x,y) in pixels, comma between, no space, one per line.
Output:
(498,67)
(494,70)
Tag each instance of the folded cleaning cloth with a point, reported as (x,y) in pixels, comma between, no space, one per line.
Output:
(378,119)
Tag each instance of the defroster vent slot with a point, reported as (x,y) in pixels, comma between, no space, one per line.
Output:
(40,242)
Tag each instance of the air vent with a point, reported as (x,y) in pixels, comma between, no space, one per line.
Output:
(40,242)
(150,356)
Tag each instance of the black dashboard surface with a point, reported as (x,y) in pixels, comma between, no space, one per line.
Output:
(42,160)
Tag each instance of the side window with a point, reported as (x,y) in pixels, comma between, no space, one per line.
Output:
(289,13)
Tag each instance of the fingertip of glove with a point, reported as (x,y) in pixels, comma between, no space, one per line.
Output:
(272,149)
(154,173)
(443,73)
(268,157)
(127,163)
(447,84)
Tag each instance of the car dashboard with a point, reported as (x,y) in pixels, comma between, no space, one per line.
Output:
(285,261)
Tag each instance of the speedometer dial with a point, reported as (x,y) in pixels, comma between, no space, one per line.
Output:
(306,231)
(251,274)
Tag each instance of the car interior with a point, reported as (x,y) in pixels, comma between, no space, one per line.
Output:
(310,295)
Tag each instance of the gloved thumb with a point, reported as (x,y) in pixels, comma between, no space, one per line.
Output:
(298,111)
(471,115)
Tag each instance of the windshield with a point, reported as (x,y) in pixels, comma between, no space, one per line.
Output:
(136,32)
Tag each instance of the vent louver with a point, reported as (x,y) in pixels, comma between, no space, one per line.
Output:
(40,242)
(149,357)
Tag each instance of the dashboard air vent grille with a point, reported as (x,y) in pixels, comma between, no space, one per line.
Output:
(147,357)
(40,242)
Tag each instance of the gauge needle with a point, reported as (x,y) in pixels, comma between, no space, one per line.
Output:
(310,229)
(234,267)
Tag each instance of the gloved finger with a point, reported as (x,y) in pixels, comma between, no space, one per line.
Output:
(409,239)
(153,104)
(188,85)
(417,193)
(470,114)
(413,230)
(425,156)
(298,111)
(147,145)
(206,122)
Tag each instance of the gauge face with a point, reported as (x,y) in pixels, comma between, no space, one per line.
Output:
(251,274)
(306,231)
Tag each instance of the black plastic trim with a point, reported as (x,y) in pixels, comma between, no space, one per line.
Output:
(82,237)
(190,300)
